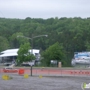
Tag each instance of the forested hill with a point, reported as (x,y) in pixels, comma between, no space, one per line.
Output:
(72,33)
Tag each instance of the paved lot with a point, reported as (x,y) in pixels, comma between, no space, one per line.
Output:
(44,83)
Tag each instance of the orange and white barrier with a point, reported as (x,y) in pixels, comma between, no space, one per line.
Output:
(10,70)
(52,72)
(18,71)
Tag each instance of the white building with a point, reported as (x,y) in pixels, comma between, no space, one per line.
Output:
(10,55)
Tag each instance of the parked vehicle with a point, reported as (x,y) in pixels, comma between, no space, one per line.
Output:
(81,58)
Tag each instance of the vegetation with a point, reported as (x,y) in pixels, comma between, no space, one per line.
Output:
(24,55)
(73,34)
(54,52)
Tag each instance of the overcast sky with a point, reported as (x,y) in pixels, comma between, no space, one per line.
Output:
(44,8)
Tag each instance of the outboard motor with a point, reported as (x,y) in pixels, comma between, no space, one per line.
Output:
(73,63)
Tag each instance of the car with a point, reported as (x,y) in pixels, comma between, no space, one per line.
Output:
(7,63)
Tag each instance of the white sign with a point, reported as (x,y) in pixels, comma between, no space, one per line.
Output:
(31,63)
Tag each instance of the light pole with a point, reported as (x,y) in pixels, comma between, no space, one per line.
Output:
(31,38)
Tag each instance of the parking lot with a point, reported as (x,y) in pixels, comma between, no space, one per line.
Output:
(45,83)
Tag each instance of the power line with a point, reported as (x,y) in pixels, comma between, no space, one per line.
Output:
(2,14)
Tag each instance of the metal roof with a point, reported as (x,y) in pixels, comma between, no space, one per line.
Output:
(13,52)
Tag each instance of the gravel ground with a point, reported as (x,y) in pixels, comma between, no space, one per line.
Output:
(44,83)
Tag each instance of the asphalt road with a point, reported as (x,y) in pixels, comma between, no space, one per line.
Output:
(45,83)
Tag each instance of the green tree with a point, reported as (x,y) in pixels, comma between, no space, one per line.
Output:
(16,40)
(87,46)
(4,43)
(54,52)
(23,54)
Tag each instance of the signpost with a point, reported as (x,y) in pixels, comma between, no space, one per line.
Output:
(32,44)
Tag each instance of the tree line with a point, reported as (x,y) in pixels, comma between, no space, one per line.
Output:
(73,34)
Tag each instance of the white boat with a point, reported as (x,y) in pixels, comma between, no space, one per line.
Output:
(81,58)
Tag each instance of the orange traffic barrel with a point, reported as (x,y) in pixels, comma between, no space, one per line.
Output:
(21,72)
